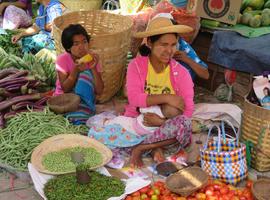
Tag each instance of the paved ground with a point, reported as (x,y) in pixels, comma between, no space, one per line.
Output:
(12,188)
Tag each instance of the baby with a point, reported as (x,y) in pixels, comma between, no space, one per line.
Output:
(164,111)
(136,126)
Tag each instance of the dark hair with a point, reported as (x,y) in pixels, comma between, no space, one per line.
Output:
(145,50)
(268,90)
(68,34)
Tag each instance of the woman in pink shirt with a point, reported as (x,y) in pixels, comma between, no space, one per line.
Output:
(15,14)
(157,79)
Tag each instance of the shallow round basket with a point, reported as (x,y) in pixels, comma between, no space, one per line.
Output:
(79,5)
(64,103)
(63,141)
(110,39)
(261,189)
(187,181)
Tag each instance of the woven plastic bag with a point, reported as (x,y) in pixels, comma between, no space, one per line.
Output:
(224,159)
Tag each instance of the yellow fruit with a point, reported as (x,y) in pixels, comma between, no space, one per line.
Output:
(86,59)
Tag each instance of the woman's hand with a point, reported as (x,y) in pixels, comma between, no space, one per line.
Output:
(176,101)
(16,38)
(152,119)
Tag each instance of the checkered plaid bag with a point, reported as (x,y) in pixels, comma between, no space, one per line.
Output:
(223,158)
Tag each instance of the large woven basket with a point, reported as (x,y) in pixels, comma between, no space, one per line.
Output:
(79,5)
(260,189)
(187,181)
(63,141)
(110,39)
(254,119)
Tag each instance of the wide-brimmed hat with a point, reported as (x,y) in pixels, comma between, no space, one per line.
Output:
(162,25)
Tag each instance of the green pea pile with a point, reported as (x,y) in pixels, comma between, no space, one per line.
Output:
(60,161)
(100,188)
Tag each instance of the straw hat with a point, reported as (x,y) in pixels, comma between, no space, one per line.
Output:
(161,25)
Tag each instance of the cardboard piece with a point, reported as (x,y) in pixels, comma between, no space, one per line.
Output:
(226,11)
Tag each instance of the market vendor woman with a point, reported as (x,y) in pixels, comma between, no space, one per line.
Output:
(82,78)
(147,79)
(38,36)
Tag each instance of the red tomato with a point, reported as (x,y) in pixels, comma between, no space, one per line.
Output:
(128,198)
(217,187)
(135,194)
(167,198)
(200,196)
(249,184)
(136,198)
(209,192)
(224,190)
(242,198)
(150,192)
(144,189)
(159,184)
(181,198)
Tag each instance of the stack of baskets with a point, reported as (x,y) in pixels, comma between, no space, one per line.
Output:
(255,128)
(78,5)
(110,39)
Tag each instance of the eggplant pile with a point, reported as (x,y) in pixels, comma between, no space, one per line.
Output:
(42,68)
(18,93)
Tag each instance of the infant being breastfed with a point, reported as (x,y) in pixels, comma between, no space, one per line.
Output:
(164,111)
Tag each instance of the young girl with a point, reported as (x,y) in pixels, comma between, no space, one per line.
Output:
(81,78)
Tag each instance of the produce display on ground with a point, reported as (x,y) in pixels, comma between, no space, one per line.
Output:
(27,130)
(41,67)
(10,48)
(215,190)
(60,161)
(101,187)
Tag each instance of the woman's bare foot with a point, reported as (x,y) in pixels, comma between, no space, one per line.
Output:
(158,155)
(136,157)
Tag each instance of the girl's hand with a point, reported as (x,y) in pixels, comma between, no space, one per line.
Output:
(152,119)
(181,56)
(176,101)
(95,60)
(80,67)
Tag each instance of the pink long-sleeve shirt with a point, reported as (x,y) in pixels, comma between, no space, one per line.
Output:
(136,77)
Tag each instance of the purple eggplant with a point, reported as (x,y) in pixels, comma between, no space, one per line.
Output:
(7,103)
(6,72)
(2,120)
(11,114)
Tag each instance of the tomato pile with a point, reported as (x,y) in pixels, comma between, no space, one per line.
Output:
(215,190)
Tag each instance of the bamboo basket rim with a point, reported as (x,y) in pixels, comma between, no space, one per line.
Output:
(63,141)
(200,180)
(128,20)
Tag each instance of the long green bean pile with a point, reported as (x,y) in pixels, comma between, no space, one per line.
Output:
(100,188)
(60,161)
(26,131)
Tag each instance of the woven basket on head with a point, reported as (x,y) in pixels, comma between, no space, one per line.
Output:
(63,141)
(254,119)
(110,39)
(79,5)
(260,189)
(187,181)
(67,102)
